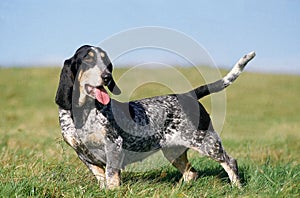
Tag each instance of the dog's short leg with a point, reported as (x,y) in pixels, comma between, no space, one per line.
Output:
(231,167)
(178,158)
(99,173)
(211,146)
(113,177)
(114,160)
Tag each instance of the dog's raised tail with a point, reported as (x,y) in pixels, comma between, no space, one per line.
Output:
(219,85)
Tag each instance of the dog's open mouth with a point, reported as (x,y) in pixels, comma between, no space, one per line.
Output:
(99,93)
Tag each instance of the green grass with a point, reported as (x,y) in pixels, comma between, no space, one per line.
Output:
(261,130)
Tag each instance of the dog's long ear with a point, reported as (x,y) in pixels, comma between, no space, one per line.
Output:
(112,86)
(65,88)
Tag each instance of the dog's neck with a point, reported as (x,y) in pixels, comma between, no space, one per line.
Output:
(81,113)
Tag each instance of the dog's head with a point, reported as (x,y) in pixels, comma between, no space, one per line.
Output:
(83,78)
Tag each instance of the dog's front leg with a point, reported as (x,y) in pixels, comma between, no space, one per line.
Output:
(113,177)
(114,159)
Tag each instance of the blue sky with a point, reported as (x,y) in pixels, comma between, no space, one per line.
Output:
(35,32)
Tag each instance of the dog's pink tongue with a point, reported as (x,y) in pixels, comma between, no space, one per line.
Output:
(102,96)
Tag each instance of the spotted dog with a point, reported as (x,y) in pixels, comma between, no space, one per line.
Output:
(107,134)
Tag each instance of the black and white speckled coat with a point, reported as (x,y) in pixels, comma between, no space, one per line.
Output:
(107,134)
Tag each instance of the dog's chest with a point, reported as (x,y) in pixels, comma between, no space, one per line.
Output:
(93,134)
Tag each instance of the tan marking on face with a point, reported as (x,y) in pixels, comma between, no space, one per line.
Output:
(82,95)
(80,75)
(81,89)
(91,54)
(102,54)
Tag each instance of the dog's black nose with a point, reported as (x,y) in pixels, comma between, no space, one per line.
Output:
(106,77)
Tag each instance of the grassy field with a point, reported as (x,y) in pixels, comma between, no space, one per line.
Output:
(261,130)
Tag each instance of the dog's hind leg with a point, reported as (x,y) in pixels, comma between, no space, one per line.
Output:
(178,158)
(211,146)
(231,167)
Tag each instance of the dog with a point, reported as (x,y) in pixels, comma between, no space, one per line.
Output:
(107,134)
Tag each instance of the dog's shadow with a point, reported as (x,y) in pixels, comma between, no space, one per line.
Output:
(173,177)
